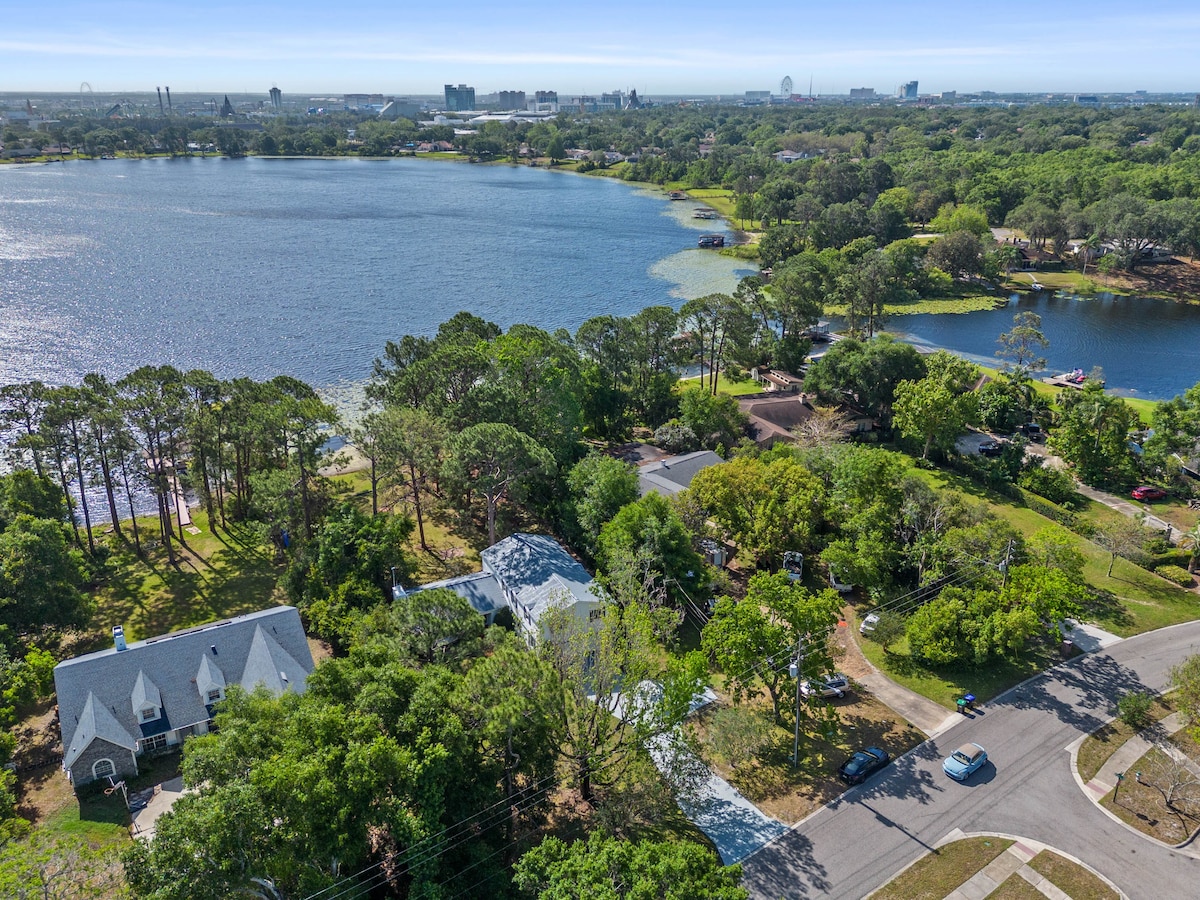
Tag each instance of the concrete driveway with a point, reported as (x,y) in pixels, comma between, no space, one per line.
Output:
(857,843)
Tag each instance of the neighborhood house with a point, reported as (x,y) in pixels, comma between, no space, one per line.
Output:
(131,699)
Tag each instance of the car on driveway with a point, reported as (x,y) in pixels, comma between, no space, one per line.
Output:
(991,448)
(868,623)
(1148,492)
(859,767)
(1033,431)
(834,685)
(842,587)
(964,762)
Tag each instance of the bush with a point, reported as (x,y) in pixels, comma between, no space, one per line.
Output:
(1177,575)
(675,437)
(1052,483)
(1134,709)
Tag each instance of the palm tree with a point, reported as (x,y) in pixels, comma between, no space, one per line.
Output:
(1191,539)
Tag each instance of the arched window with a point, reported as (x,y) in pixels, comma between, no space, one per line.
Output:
(102,768)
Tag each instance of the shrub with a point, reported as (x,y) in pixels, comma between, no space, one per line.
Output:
(675,437)
(1176,574)
(1047,481)
(1134,709)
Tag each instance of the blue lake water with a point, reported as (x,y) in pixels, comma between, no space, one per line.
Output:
(1146,348)
(306,267)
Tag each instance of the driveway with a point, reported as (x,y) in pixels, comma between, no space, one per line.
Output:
(859,841)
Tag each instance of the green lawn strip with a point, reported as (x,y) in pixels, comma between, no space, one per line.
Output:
(1014,887)
(721,200)
(945,686)
(1143,806)
(738,388)
(223,574)
(1106,740)
(937,874)
(1129,602)
(1071,877)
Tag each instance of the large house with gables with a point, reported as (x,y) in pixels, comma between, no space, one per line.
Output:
(141,697)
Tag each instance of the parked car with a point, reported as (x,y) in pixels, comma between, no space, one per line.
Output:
(793,564)
(1033,431)
(834,685)
(991,448)
(837,584)
(964,762)
(868,623)
(859,767)
(1147,492)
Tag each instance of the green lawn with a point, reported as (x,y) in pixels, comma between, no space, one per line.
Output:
(1129,602)
(942,871)
(219,574)
(721,200)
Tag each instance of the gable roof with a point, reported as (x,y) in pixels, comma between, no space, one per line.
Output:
(95,721)
(538,572)
(97,692)
(480,589)
(671,475)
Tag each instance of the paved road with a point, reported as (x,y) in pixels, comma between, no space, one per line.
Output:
(861,840)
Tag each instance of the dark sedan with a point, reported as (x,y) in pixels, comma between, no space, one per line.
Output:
(991,448)
(862,764)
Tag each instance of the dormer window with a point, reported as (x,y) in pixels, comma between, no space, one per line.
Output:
(214,695)
(148,713)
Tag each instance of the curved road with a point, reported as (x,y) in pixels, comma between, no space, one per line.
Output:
(863,838)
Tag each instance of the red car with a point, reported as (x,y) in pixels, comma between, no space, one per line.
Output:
(1146,492)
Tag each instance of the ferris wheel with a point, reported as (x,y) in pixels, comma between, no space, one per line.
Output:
(785,86)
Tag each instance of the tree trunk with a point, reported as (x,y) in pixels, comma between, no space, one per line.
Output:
(416,489)
(137,539)
(109,487)
(62,480)
(87,517)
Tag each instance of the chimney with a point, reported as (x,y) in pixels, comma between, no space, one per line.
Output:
(119,638)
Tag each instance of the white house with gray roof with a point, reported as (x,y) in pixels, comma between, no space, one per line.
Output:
(136,698)
(530,574)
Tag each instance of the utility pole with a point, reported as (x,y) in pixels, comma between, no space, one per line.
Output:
(797,670)
(1005,565)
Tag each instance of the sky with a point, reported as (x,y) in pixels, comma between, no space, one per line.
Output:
(668,47)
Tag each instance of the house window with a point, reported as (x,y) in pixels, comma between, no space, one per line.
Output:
(102,768)
(594,615)
(149,713)
(214,695)
(154,743)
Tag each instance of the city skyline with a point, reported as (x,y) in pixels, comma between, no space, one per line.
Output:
(678,49)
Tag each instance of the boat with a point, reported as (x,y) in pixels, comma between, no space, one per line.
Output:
(711,240)
(676,195)
(705,213)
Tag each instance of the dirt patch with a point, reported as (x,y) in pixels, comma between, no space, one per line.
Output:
(1161,798)
(1176,278)
(769,779)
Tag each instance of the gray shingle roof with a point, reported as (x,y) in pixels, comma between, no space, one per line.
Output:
(480,589)
(97,692)
(538,572)
(671,475)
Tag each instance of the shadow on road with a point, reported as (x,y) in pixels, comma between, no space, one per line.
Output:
(788,869)
(903,779)
(1097,680)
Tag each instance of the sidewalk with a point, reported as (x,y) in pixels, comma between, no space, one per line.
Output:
(1130,752)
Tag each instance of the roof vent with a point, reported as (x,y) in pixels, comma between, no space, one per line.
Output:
(118,637)
(214,649)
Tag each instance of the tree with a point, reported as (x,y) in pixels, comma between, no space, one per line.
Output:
(497,460)
(409,443)
(1020,346)
(951,219)
(40,578)
(652,530)
(865,373)
(1121,537)
(929,411)
(754,640)
(1091,434)
(1190,540)
(435,626)
(599,486)
(960,253)
(1185,679)
(617,696)
(714,418)
(604,867)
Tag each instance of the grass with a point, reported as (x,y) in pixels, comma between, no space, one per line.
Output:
(1143,806)
(1106,740)
(1128,602)
(721,200)
(1014,887)
(1071,877)
(218,574)
(937,874)
(738,387)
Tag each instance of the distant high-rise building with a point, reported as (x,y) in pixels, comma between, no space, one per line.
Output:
(544,101)
(758,95)
(357,101)
(908,91)
(612,100)
(950,96)
(459,99)
(862,93)
(511,99)
(276,98)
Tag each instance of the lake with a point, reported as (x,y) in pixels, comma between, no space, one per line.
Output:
(306,267)
(1147,348)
